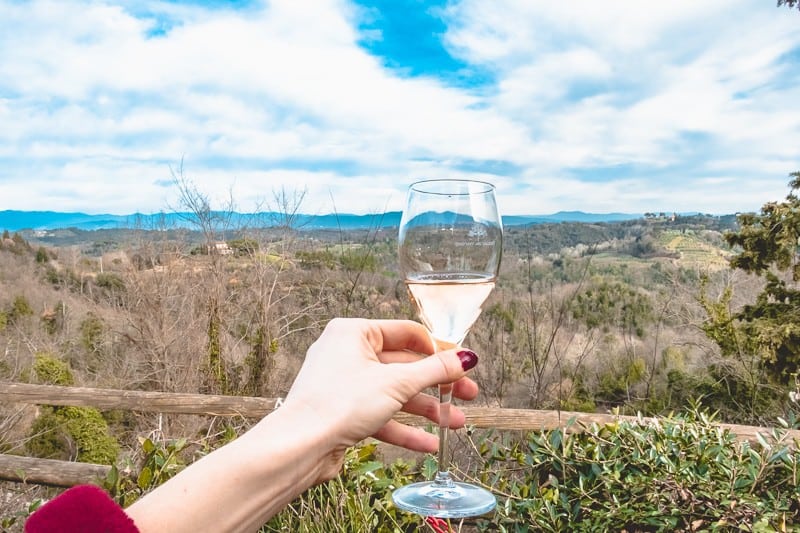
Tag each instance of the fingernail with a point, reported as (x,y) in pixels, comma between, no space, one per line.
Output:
(468,359)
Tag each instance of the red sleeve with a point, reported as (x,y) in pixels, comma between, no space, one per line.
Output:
(84,509)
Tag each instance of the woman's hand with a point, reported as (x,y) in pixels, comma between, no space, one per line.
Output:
(355,378)
(360,373)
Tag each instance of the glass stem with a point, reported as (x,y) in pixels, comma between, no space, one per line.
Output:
(445,397)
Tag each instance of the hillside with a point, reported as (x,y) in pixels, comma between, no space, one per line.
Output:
(591,317)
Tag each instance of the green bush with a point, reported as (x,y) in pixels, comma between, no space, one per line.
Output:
(244,246)
(92,332)
(50,370)
(111,281)
(19,309)
(616,380)
(69,433)
(359,260)
(316,259)
(72,433)
(41,255)
(679,474)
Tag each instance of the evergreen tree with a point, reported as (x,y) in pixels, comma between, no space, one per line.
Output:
(767,245)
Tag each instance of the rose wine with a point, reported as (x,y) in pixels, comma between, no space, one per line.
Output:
(449,303)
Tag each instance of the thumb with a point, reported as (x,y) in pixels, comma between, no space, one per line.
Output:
(442,367)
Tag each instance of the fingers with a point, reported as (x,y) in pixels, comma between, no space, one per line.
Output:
(427,406)
(415,438)
(463,389)
(447,366)
(412,438)
(404,335)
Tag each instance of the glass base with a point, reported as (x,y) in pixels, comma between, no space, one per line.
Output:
(444,500)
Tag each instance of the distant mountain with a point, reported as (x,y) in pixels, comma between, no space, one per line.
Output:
(50,220)
(568,216)
(580,216)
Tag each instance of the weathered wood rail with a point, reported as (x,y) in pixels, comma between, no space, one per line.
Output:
(66,474)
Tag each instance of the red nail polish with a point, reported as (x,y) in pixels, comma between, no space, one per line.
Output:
(468,359)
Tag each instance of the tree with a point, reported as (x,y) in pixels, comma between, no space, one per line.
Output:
(768,248)
(617,306)
(210,222)
(790,3)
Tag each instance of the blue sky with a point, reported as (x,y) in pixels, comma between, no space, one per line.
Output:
(613,106)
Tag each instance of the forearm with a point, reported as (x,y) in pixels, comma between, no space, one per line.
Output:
(241,485)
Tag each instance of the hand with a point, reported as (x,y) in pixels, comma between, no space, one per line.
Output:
(356,376)
(360,373)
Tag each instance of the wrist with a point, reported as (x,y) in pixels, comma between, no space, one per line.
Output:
(252,478)
(316,445)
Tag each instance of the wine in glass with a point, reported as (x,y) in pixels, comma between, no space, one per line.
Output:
(450,245)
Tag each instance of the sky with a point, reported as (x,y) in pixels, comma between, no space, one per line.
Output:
(612,106)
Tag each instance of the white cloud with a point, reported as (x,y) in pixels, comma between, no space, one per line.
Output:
(700,98)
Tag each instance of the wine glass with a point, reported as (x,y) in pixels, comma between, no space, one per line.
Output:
(450,245)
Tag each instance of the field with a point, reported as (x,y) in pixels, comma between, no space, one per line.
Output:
(694,251)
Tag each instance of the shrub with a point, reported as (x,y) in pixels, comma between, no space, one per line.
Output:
(679,474)
(243,247)
(20,308)
(50,370)
(92,332)
(53,319)
(67,433)
(42,255)
(111,281)
(316,259)
(359,260)
(78,433)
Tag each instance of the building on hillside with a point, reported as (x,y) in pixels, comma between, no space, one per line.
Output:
(220,248)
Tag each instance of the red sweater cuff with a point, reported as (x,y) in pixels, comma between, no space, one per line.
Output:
(84,509)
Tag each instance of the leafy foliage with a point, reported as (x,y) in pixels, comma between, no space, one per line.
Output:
(41,255)
(679,474)
(78,433)
(769,328)
(613,305)
(19,517)
(19,309)
(357,500)
(91,330)
(244,246)
(50,370)
(66,432)
(682,473)
(110,281)
(162,459)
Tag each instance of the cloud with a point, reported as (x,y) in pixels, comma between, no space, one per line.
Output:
(612,106)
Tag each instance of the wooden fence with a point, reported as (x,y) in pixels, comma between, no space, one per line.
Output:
(67,474)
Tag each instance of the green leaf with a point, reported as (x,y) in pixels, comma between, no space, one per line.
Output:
(113,477)
(148,446)
(429,466)
(370,466)
(762,441)
(145,477)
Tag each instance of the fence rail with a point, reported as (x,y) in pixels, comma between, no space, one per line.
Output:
(66,474)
